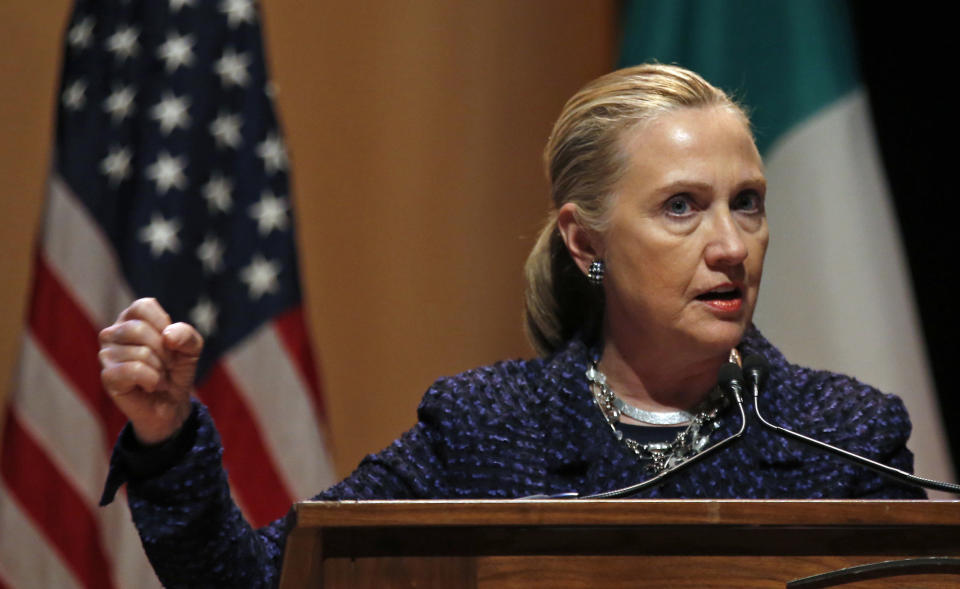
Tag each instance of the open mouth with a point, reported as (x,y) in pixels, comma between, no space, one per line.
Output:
(721,295)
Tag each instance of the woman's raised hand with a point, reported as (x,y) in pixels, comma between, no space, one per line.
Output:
(148,367)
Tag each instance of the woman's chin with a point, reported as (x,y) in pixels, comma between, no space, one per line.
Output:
(720,337)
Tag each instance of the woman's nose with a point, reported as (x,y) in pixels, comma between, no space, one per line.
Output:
(726,246)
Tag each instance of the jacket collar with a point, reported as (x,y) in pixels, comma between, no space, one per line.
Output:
(576,432)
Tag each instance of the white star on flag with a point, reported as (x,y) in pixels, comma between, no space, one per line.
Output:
(261,276)
(210,254)
(123,44)
(217,193)
(176,5)
(226,130)
(116,165)
(237,11)
(270,213)
(171,112)
(167,172)
(161,234)
(176,51)
(74,96)
(81,34)
(232,68)
(119,105)
(204,316)
(273,153)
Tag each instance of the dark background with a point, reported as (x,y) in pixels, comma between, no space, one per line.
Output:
(908,61)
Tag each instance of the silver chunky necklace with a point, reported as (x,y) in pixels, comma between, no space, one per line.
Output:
(660,456)
(652,417)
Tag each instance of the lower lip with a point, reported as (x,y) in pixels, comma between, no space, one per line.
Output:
(725,305)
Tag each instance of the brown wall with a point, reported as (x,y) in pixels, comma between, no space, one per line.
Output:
(415,130)
(29,65)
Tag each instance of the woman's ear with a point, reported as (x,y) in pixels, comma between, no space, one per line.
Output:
(581,242)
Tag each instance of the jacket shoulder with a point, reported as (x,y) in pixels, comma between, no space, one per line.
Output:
(829,405)
(494,391)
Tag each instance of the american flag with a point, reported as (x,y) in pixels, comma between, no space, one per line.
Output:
(169,179)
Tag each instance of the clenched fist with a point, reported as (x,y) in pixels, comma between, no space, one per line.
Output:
(148,368)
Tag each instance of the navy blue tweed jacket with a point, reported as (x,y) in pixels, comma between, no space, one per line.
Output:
(513,429)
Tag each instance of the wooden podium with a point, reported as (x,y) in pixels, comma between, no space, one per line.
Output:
(623,543)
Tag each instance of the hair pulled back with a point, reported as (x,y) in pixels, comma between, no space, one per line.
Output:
(584,160)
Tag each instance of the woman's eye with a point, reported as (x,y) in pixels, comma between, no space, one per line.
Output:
(748,201)
(678,205)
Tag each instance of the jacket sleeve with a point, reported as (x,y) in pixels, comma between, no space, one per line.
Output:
(867,422)
(193,533)
(844,412)
(886,443)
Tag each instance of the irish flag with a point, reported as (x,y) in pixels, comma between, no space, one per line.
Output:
(836,289)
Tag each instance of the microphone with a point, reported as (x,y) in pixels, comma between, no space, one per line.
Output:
(730,378)
(756,369)
(730,381)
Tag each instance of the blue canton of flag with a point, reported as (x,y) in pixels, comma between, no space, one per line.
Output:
(168,136)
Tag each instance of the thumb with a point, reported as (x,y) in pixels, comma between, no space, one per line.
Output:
(183,339)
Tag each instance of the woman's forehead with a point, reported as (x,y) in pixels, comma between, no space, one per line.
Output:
(692,146)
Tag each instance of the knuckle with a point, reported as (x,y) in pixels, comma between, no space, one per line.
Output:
(146,376)
(134,330)
(143,302)
(113,381)
(142,353)
(142,308)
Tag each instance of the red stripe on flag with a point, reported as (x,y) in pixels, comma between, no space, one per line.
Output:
(65,333)
(253,476)
(54,505)
(292,328)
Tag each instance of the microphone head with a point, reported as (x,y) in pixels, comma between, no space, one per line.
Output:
(756,368)
(730,377)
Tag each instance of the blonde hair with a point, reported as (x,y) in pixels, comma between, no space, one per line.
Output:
(584,160)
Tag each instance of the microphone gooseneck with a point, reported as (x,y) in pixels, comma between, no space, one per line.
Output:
(756,368)
(730,380)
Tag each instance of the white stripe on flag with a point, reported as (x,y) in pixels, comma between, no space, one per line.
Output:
(26,560)
(81,256)
(61,422)
(836,291)
(72,438)
(261,366)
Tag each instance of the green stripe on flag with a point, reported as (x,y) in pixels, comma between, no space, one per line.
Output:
(783,59)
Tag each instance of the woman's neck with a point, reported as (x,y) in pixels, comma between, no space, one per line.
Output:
(655,381)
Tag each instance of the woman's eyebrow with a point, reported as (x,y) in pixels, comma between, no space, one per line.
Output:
(682,185)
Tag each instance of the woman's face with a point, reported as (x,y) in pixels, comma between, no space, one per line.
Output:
(687,235)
